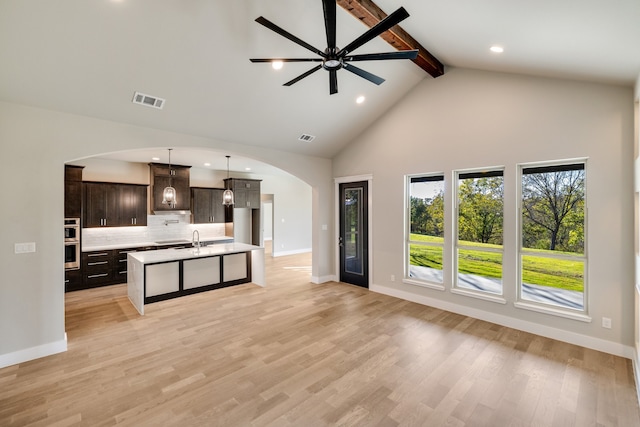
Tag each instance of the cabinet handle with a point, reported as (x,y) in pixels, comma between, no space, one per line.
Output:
(93,276)
(122,272)
(97,263)
(100,254)
(66,280)
(122,260)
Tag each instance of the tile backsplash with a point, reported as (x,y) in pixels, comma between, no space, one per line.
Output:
(159,227)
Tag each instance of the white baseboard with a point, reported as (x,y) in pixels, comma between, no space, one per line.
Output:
(276,254)
(323,279)
(616,349)
(33,353)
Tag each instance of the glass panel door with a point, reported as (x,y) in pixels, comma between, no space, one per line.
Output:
(354,254)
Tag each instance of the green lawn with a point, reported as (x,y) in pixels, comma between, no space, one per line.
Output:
(538,270)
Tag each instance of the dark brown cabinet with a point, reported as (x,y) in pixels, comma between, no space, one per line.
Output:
(72,280)
(97,268)
(114,205)
(246,192)
(109,267)
(73,191)
(161,176)
(132,204)
(206,205)
(100,204)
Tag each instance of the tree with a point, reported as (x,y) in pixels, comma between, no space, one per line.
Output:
(553,210)
(427,215)
(481,210)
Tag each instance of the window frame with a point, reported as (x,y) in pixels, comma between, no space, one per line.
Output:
(432,176)
(456,246)
(548,308)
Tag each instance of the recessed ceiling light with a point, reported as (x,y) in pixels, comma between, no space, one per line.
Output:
(496,49)
(247,169)
(155,159)
(360,99)
(277,65)
(207,164)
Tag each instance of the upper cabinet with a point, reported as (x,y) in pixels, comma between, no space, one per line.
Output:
(72,191)
(132,204)
(109,204)
(246,192)
(161,176)
(206,205)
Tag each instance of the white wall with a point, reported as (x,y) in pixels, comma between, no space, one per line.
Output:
(292,213)
(35,145)
(471,119)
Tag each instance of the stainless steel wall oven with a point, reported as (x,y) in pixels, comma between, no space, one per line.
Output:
(71,243)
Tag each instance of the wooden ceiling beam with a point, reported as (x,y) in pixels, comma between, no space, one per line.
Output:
(370,14)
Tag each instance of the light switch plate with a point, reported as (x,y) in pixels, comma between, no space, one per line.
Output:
(25,248)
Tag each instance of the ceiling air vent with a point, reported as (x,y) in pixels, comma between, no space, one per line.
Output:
(148,100)
(306,138)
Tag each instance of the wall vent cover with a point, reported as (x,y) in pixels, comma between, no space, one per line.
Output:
(148,100)
(306,137)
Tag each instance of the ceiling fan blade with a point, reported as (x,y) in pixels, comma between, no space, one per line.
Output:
(303,75)
(286,59)
(364,74)
(376,30)
(333,82)
(329,7)
(273,27)
(402,54)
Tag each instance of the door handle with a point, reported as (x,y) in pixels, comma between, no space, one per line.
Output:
(340,241)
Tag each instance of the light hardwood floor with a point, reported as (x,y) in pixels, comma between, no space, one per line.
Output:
(297,354)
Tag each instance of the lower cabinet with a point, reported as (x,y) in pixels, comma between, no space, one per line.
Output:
(97,269)
(72,280)
(102,268)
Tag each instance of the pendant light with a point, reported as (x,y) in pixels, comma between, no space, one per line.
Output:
(169,193)
(227,196)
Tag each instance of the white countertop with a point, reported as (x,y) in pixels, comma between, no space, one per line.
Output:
(144,244)
(164,255)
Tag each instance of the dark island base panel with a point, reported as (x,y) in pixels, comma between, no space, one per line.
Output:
(183,292)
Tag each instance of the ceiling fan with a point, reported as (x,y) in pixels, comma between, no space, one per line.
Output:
(333,58)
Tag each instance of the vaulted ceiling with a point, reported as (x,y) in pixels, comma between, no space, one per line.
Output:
(89,57)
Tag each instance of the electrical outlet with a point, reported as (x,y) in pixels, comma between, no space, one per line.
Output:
(606,322)
(393,277)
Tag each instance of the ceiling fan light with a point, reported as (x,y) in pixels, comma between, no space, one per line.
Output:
(277,65)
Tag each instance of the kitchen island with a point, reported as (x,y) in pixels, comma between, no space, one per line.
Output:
(170,273)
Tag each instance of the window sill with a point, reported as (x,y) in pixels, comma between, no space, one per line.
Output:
(493,298)
(423,284)
(553,311)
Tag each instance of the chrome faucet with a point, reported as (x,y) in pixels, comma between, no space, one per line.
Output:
(195,241)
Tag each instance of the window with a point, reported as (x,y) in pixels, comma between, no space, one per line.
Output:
(425,234)
(479,212)
(552,227)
